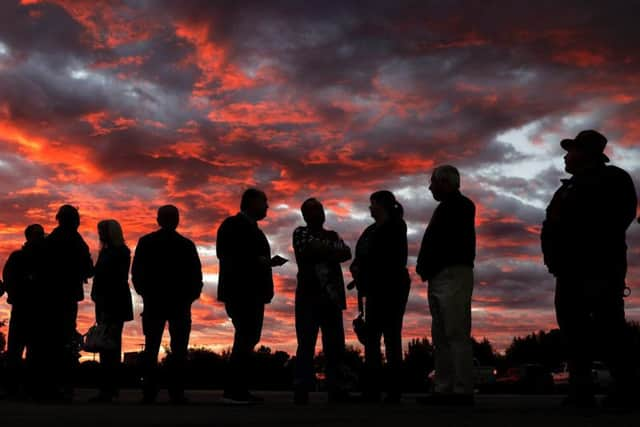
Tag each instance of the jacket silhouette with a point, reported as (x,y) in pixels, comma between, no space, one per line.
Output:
(69,264)
(166,269)
(22,272)
(450,238)
(110,291)
(584,230)
(381,260)
(320,275)
(239,245)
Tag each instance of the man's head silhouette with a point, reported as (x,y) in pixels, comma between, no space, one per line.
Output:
(34,232)
(313,213)
(445,180)
(584,152)
(68,217)
(254,204)
(168,217)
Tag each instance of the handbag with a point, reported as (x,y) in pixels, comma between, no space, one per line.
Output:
(359,323)
(99,338)
(360,328)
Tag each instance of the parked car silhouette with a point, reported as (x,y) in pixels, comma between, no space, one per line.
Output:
(527,378)
(600,372)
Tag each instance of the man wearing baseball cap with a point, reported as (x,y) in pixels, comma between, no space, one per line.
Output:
(583,242)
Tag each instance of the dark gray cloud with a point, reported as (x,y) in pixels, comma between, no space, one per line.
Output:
(192,102)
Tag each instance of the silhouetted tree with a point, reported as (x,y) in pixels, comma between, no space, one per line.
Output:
(418,362)
(484,352)
(272,370)
(546,348)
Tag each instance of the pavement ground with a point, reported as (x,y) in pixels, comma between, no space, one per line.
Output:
(206,409)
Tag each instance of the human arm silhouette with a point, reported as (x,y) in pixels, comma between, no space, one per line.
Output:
(139,266)
(194,269)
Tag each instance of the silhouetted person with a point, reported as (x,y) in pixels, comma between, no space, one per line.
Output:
(112,298)
(68,267)
(320,299)
(446,261)
(167,274)
(583,242)
(22,276)
(245,285)
(380,272)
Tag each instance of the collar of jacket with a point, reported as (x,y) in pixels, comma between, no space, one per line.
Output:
(248,218)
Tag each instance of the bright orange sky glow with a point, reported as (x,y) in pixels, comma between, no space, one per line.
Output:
(118,108)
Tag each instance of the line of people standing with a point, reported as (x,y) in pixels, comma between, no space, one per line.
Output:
(166,272)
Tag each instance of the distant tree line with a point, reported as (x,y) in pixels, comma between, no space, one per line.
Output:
(274,369)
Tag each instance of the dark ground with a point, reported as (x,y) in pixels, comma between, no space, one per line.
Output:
(206,409)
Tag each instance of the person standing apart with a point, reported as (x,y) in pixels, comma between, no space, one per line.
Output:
(380,272)
(320,299)
(112,297)
(245,285)
(446,261)
(167,274)
(584,247)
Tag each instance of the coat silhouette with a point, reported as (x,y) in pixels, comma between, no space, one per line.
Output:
(239,244)
(69,264)
(166,269)
(110,291)
(450,238)
(584,230)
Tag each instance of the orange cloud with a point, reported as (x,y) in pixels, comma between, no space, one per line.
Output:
(70,160)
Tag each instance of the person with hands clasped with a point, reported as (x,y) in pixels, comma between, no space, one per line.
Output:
(320,299)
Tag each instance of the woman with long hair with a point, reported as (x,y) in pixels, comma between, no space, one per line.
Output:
(381,276)
(112,298)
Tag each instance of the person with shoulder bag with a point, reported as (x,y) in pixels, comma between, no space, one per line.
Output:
(112,298)
(381,276)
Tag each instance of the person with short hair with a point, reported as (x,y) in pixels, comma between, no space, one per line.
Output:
(245,285)
(446,261)
(584,247)
(382,279)
(112,297)
(166,272)
(22,274)
(319,301)
(68,268)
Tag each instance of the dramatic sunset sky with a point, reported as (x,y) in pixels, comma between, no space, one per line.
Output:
(119,107)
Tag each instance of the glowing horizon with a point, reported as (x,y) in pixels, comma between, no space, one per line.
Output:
(118,107)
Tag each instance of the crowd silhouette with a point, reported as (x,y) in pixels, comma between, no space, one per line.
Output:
(583,242)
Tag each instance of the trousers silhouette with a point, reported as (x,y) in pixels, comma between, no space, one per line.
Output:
(247,319)
(592,311)
(153,323)
(384,318)
(313,315)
